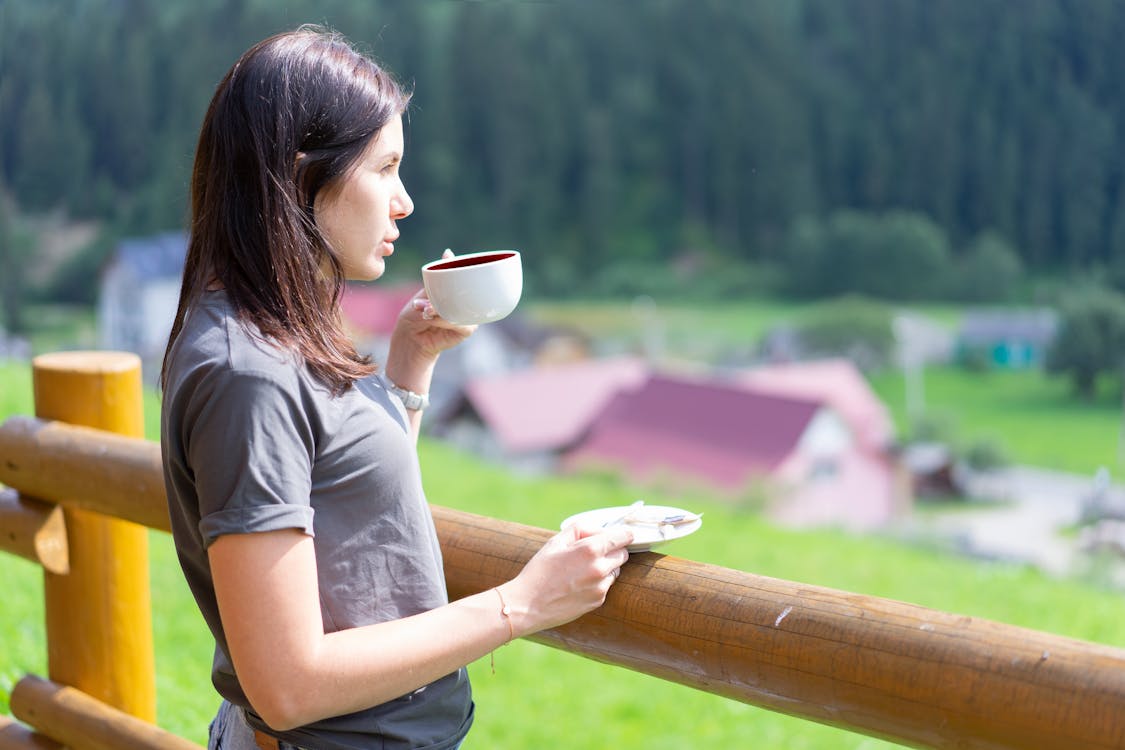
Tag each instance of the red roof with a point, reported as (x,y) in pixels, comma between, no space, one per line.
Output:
(719,433)
(837,382)
(550,408)
(373,310)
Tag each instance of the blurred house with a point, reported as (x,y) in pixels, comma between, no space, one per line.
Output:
(139,291)
(797,455)
(933,470)
(370,312)
(529,417)
(1010,339)
(836,382)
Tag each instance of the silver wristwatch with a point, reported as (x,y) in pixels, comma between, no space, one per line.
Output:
(411,400)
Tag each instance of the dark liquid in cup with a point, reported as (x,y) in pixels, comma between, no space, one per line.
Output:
(464,262)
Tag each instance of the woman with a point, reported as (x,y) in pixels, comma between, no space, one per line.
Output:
(290,463)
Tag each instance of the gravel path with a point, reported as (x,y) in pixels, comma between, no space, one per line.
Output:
(1026,515)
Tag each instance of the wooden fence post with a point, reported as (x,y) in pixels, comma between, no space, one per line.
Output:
(99,616)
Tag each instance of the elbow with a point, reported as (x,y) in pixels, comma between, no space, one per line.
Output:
(282,705)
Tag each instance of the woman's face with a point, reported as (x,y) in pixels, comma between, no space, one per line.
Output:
(358,216)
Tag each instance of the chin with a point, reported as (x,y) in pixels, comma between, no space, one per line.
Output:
(366,273)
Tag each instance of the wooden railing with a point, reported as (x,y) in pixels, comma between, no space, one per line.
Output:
(913,675)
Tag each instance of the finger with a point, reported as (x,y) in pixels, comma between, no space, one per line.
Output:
(585,530)
(423,305)
(447,254)
(618,557)
(616,538)
(569,535)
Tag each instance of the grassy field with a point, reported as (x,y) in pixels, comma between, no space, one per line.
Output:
(686,331)
(1035,418)
(711,333)
(59,327)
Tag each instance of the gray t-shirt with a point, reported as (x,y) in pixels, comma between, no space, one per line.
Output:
(252,442)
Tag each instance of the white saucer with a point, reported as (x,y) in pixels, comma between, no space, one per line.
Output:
(646,535)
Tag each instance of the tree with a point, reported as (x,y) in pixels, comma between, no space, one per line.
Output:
(1090,340)
(15,248)
(895,256)
(989,270)
(852,327)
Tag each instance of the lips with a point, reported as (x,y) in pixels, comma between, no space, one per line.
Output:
(389,242)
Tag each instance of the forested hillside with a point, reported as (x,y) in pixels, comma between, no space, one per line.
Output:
(616,135)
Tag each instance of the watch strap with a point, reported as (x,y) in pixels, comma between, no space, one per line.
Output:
(411,400)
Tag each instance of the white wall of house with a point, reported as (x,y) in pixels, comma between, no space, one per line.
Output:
(136,315)
(831,480)
(827,435)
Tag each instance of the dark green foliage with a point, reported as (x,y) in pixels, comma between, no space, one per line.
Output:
(863,146)
(986,455)
(71,283)
(853,327)
(1091,338)
(16,246)
(990,270)
(897,255)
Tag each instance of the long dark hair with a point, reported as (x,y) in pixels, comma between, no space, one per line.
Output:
(291,118)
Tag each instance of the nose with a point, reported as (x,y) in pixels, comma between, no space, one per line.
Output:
(401,205)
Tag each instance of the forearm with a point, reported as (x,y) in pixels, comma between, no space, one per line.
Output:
(294,673)
(418,339)
(414,372)
(353,669)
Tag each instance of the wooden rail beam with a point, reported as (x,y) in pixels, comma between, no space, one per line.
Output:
(15,736)
(85,468)
(34,530)
(880,667)
(81,722)
(913,675)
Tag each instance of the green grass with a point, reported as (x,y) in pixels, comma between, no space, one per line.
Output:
(1033,416)
(16,397)
(15,388)
(61,327)
(690,331)
(714,332)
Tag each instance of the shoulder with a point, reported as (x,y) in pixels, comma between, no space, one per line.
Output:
(217,363)
(216,344)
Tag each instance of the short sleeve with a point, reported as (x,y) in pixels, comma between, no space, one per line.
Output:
(251,450)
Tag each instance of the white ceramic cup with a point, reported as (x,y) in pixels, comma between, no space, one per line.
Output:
(475,288)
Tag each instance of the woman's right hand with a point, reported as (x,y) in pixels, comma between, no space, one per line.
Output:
(569,576)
